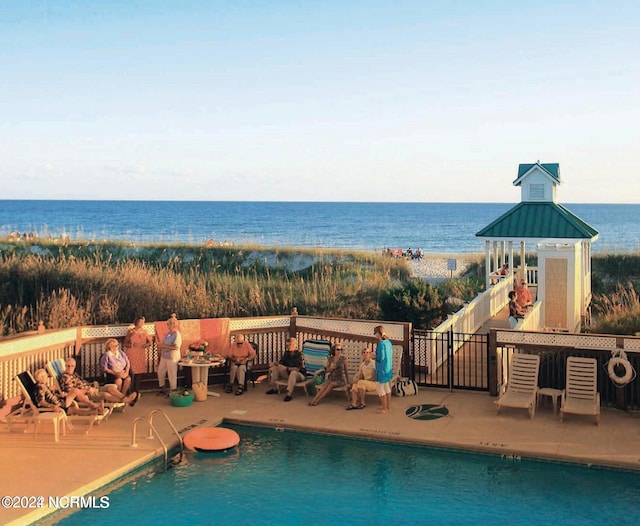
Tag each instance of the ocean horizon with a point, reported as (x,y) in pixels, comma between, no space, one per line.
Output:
(433,227)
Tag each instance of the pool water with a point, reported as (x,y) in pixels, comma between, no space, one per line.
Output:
(290,478)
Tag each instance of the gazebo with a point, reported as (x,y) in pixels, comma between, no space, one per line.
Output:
(562,242)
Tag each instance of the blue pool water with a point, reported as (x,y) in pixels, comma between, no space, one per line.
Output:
(291,478)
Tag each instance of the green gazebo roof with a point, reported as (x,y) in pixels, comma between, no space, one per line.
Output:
(539,220)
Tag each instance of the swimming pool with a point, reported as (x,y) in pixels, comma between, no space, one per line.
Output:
(291,478)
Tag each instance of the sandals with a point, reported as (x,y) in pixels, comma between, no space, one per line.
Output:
(229,388)
(239,391)
(359,406)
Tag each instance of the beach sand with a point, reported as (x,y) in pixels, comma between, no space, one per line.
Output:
(434,267)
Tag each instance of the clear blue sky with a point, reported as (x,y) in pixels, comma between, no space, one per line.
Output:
(318,100)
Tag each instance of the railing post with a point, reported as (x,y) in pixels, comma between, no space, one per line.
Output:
(492,356)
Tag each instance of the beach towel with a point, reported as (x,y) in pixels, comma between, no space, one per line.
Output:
(216,332)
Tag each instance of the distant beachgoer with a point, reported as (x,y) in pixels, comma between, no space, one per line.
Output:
(504,271)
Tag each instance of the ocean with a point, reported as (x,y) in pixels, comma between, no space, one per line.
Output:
(434,227)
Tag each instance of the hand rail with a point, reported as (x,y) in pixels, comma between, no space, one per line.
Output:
(153,430)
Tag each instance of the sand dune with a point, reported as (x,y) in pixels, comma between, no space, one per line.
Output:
(434,267)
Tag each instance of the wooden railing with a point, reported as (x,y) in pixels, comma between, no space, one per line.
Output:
(31,351)
(468,320)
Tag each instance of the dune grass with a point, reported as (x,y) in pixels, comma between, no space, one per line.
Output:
(81,283)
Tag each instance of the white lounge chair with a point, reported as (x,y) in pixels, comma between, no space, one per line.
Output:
(581,396)
(522,387)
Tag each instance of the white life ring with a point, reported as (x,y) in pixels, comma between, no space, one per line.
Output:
(628,371)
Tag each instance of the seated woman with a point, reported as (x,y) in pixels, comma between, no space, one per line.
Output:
(47,398)
(240,352)
(364,381)
(115,363)
(335,374)
(515,311)
(71,380)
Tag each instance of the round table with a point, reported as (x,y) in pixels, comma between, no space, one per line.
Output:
(200,372)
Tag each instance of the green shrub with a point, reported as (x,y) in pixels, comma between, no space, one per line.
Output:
(415,301)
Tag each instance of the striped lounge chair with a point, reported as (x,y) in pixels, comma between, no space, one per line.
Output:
(316,355)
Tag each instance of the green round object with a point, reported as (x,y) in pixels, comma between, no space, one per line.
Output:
(179,399)
(426,411)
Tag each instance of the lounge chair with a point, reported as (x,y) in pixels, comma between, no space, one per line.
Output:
(581,396)
(56,369)
(316,356)
(30,413)
(522,386)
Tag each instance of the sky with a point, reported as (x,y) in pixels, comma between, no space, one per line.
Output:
(401,101)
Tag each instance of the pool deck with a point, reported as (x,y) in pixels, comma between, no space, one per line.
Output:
(80,464)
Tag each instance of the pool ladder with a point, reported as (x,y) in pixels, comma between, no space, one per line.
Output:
(154,433)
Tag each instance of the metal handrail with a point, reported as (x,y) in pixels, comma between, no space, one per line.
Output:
(153,430)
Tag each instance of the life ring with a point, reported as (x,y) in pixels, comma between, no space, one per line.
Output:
(628,371)
(211,439)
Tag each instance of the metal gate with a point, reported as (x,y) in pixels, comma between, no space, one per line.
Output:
(449,359)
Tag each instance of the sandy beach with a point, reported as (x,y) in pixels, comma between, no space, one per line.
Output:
(435,267)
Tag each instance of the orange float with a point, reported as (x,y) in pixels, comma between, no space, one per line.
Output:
(211,439)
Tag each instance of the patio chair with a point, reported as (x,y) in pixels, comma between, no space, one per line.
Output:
(316,355)
(581,396)
(522,386)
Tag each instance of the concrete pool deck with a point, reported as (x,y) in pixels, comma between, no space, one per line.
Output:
(80,464)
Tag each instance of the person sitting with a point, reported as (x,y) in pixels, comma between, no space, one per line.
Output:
(515,312)
(335,374)
(240,352)
(48,398)
(504,271)
(115,364)
(524,296)
(290,367)
(364,381)
(71,380)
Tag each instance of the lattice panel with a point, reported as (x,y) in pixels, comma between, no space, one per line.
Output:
(579,341)
(243,324)
(39,341)
(113,331)
(632,344)
(362,328)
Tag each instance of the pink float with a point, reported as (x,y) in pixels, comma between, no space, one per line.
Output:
(211,439)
